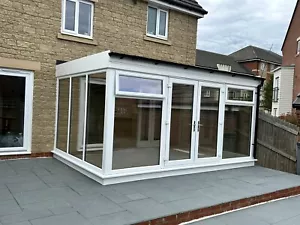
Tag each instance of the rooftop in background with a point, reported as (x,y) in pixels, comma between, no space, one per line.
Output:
(252,53)
(210,60)
(192,5)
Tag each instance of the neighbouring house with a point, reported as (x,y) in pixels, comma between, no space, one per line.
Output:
(259,61)
(111,88)
(286,85)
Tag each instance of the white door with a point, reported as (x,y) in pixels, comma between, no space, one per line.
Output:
(182,125)
(15,110)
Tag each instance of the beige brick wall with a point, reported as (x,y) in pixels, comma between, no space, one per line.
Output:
(29,30)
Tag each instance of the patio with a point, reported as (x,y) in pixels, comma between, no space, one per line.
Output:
(46,191)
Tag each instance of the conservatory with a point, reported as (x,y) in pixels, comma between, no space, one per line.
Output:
(122,118)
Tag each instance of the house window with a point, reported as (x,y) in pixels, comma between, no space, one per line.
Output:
(157,22)
(276,89)
(275,111)
(298,46)
(77,18)
(272,67)
(262,66)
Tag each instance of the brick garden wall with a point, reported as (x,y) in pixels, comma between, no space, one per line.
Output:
(29,31)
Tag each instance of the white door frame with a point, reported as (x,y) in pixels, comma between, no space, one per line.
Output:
(27,130)
(221,114)
(193,122)
(90,147)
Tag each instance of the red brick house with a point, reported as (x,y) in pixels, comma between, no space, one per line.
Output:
(259,61)
(286,78)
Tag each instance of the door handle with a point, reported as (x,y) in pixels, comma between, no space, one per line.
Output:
(194,126)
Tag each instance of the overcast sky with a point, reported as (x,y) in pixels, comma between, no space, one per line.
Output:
(233,24)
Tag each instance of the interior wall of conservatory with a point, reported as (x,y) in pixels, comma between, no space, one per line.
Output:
(117,125)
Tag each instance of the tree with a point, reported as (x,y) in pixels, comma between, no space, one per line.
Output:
(268,94)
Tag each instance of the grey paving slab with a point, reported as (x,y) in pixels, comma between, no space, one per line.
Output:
(23,223)
(9,207)
(53,192)
(25,215)
(119,218)
(65,219)
(146,208)
(26,186)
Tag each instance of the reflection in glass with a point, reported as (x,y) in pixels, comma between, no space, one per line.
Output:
(136,142)
(84,26)
(77,115)
(209,120)
(237,131)
(162,23)
(152,17)
(70,15)
(240,95)
(12,102)
(140,85)
(181,122)
(63,113)
(95,119)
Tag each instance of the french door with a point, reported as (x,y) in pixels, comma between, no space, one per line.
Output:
(194,122)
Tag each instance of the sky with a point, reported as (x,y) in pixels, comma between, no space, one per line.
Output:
(233,24)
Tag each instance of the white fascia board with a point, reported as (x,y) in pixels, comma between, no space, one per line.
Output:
(176,8)
(86,64)
(178,71)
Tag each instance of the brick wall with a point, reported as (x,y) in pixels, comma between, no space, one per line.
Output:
(29,31)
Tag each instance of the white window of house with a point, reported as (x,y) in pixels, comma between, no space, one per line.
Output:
(157,22)
(262,66)
(272,67)
(298,46)
(77,18)
(276,90)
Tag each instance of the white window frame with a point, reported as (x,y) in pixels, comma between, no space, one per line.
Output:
(138,94)
(75,33)
(239,88)
(159,10)
(262,66)
(298,45)
(27,129)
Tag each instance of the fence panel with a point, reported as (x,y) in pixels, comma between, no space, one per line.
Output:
(276,143)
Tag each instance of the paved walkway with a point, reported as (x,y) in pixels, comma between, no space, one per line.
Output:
(283,212)
(47,192)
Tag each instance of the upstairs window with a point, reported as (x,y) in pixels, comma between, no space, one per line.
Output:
(298,47)
(157,22)
(276,90)
(77,18)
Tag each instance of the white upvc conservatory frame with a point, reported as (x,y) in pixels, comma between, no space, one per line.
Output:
(114,66)
(29,78)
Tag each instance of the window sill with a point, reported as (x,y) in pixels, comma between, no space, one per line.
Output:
(76,39)
(297,54)
(157,40)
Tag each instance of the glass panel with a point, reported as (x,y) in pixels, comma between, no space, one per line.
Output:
(128,152)
(144,113)
(95,119)
(70,15)
(237,131)
(63,113)
(140,85)
(77,116)
(152,17)
(85,13)
(209,120)
(240,95)
(162,23)
(12,101)
(181,121)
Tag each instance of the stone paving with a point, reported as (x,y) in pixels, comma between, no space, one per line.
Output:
(282,212)
(47,192)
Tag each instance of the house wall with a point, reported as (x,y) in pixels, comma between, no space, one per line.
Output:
(30,30)
(285,95)
(252,66)
(289,48)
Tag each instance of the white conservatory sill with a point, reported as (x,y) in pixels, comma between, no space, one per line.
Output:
(113,178)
